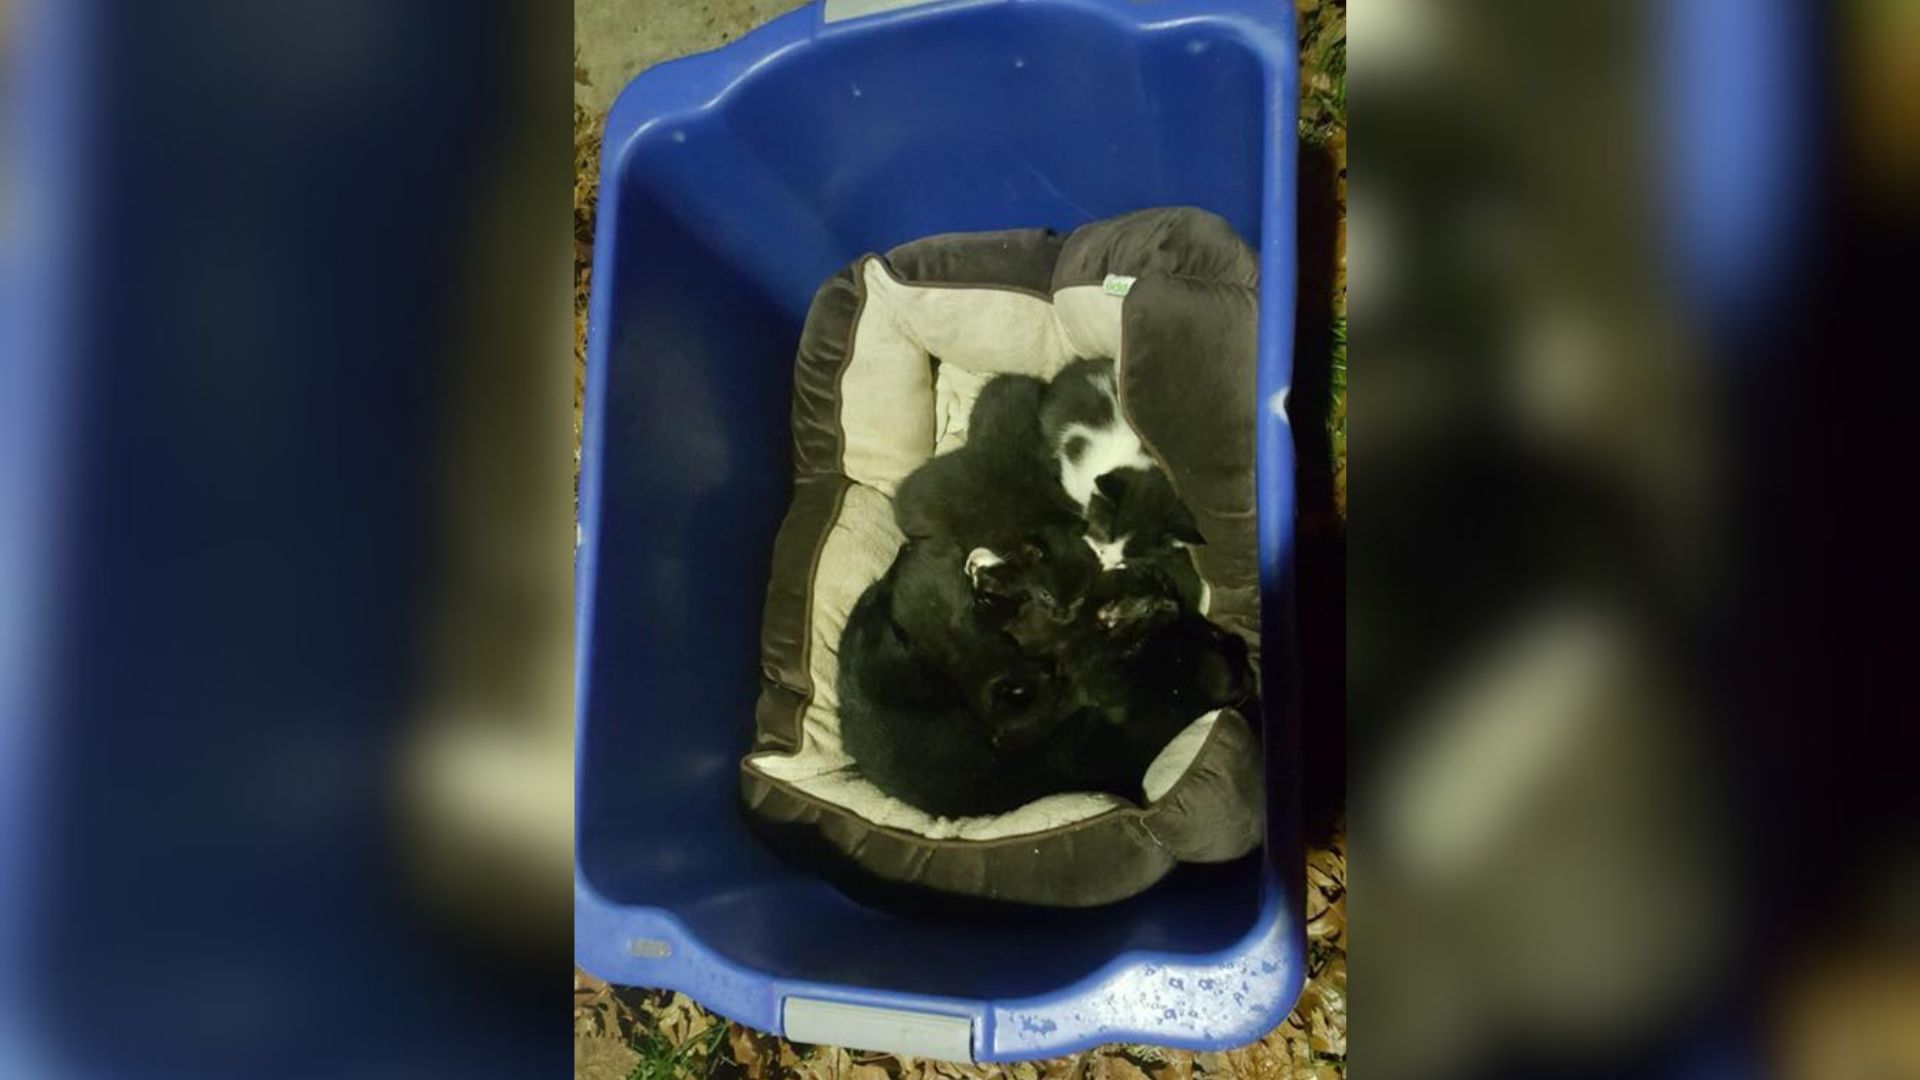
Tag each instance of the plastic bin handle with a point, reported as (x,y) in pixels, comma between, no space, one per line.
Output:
(834,11)
(868,1027)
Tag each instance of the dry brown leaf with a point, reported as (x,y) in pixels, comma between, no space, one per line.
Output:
(1115,1067)
(1327,866)
(1330,926)
(1325,1040)
(817,1065)
(868,1072)
(746,1052)
(673,1024)
(1257,1062)
(1066,1068)
(1175,1065)
(602,1059)
(1026,1070)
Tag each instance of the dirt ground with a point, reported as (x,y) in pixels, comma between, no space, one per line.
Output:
(630,1034)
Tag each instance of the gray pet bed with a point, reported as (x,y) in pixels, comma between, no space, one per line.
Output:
(894,351)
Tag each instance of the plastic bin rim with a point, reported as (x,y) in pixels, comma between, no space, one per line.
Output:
(682,949)
(679,90)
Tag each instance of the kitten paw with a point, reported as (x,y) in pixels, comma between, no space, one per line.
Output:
(980,559)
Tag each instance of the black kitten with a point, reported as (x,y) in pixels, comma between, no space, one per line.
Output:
(1035,589)
(1134,690)
(999,489)
(941,709)
(997,500)
(934,694)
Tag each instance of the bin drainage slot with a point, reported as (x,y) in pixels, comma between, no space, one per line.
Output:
(886,1031)
(839,10)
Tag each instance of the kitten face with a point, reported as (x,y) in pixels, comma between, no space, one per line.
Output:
(1034,589)
(1130,603)
(1135,515)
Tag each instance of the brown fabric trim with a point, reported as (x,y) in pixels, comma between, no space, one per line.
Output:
(1181,241)
(1202,417)
(1076,283)
(819,493)
(786,624)
(825,807)
(1216,810)
(1214,737)
(1073,867)
(1017,260)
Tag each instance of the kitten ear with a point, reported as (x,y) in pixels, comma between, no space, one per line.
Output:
(1112,484)
(1184,529)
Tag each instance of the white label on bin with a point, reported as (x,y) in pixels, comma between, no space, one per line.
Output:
(837,10)
(877,1030)
(1119,284)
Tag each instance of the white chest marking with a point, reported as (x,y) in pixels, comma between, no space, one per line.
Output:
(1112,554)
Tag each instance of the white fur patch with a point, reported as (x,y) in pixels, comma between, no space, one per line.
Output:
(1112,554)
(1107,449)
(1112,445)
(980,559)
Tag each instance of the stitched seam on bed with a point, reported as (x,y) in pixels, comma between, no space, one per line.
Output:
(1102,280)
(799,721)
(956,842)
(1126,416)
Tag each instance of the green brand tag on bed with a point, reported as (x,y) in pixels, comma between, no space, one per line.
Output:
(1119,284)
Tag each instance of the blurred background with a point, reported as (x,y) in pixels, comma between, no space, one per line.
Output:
(285,536)
(285,703)
(1629,728)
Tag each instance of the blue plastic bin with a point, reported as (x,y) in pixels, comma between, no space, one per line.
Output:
(733,184)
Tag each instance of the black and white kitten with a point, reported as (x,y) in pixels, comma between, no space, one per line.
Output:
(1131,509)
